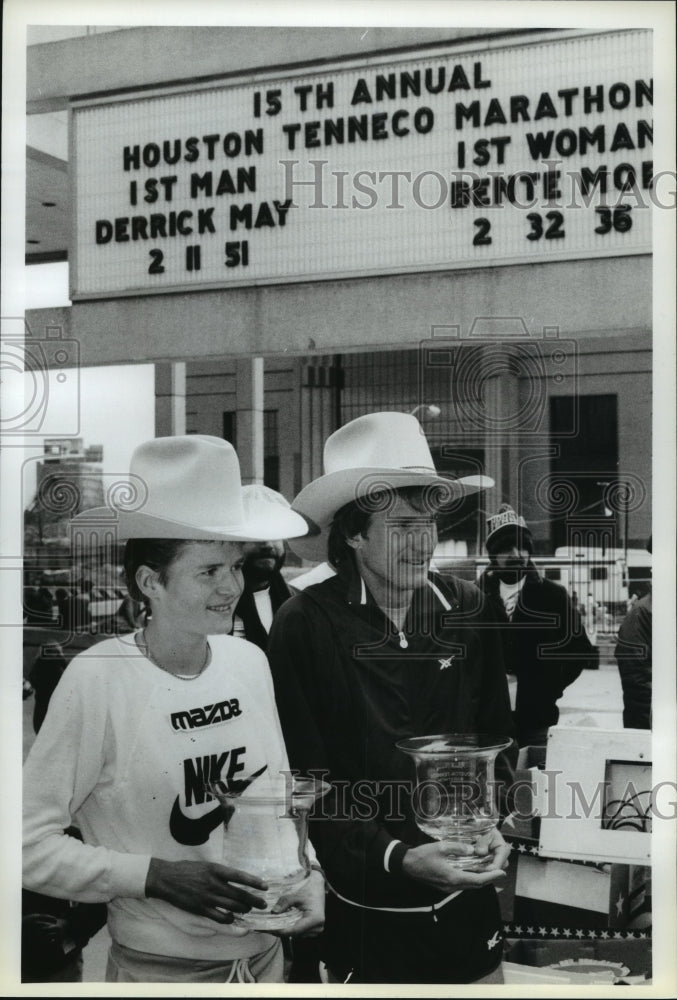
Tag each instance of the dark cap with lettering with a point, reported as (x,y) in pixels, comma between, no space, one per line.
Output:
(506,528)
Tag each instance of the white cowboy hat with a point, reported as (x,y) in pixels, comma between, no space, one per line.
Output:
(261,504)
(372,452)
(259,498)
(187,487)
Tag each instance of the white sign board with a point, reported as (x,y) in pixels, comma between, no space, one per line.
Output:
(597,799)
(535,151)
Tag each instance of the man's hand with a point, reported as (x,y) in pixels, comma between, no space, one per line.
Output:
(309,899)
(204,888)
(430,863)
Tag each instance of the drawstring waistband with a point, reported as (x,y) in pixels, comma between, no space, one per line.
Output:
(240,972)
(432,908)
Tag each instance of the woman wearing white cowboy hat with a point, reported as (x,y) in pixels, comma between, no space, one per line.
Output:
(140,723)
(383,651)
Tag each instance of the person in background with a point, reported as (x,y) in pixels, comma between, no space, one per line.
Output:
(53,935)
(591,617)
(130,615)
(53,931)
(544,643)
(382,651)
(634,658)
(265,588)
(38,606)
(141,723)
(73,604)
(44,676)
(63,596)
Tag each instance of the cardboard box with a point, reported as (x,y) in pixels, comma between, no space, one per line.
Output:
(558,894)
(594,795)
(531,961)
(563,894)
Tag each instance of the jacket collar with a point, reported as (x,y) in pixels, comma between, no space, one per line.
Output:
(354,587)
(357,592)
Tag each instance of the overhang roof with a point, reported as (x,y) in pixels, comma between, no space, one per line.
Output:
(47,207)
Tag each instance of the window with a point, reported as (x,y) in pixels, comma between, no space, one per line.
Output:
(585,462)
(598,573)
(271,450)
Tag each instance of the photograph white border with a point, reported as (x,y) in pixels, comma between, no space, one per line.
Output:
(20,13)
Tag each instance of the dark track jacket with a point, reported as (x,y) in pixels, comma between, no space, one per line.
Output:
(349,686)
(544,645)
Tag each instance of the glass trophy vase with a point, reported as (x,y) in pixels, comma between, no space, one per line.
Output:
(266,834)
(454,796)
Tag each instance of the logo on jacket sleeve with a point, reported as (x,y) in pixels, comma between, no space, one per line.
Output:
(208,715)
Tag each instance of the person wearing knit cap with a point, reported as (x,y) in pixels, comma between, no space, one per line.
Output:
(544,643)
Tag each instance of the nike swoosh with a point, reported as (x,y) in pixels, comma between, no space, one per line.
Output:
(192,832)
(237,786)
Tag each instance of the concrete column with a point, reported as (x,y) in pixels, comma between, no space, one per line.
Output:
(297,397)
(500,395)
(249,394)
(170,399)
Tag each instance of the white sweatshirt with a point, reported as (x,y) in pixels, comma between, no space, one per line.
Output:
(123,754)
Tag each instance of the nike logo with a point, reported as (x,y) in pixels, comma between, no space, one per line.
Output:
(194,831)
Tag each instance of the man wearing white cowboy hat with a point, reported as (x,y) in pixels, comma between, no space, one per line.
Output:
(140,726)
(383,651)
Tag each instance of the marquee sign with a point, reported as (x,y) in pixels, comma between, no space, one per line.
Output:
(536,151)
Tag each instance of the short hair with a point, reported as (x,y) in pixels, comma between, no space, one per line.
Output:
(156,553)
(355,517)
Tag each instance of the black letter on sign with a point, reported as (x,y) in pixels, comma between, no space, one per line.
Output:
(482,239)
(235,256)
(104,231)
(193,262)
(156,265)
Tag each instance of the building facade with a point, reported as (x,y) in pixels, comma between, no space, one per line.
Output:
(299,226)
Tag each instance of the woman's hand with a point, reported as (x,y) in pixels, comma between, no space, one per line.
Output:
(309,899)
(430,863)
(204,887)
